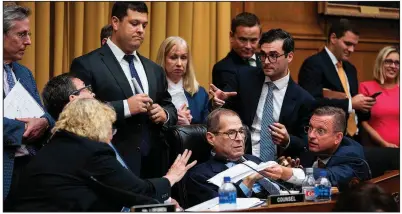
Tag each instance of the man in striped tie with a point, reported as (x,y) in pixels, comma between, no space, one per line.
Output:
(227,135)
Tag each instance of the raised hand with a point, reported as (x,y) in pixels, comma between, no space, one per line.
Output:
(179,167)
(218,96)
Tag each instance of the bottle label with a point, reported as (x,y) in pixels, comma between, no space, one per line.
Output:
(227,197)
(309,194)
(322,192)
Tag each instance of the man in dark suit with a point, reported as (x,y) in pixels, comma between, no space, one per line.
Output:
(225,132)
(135,86)
(331,71)
(22,136)
(244,35)
(269,102)
(106,32)
(329,150)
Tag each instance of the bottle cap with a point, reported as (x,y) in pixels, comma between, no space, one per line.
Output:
(309,170)
(226,179)
(323,173)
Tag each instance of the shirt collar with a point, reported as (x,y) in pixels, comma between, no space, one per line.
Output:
(117,52)
(325,160)
(331,55)
(280,83)
(178,85)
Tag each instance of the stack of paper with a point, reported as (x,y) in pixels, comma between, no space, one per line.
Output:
(213,204)
(240,171)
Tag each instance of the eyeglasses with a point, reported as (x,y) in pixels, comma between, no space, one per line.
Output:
(78,91)
(23,35)
(232,134)
(272,58)
(319,131)
(389,62)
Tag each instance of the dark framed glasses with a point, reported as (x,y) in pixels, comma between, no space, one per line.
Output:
(78,91)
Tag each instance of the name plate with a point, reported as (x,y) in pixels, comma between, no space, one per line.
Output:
(155,208)
(285,199)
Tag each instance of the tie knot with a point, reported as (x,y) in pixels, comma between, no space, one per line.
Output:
(128,58)
(339,64)
(271,85)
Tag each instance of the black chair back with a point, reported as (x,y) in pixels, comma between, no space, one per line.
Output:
(381,159)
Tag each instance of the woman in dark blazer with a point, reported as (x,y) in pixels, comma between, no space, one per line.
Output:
(78,171)
(189,98)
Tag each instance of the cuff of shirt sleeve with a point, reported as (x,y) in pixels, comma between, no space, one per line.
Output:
(297,176)
(126,109)
(167,115)
(247,192)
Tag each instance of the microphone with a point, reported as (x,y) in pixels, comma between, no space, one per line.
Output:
(242,160)
(351,158)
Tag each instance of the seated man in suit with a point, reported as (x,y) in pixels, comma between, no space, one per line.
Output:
(225,132)
(331,71)
(329,150)
(269,102)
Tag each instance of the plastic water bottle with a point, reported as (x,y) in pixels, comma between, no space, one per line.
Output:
(308,185)
(227,195)
(322,188)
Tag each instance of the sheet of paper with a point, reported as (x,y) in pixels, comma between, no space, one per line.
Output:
(239,171)
(20,104)
(178,98)
(213,204)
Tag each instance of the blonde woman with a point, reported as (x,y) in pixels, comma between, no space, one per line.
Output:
(189,98)
(383,124)
(60,177)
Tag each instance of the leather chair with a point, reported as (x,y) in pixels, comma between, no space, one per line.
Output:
(192,137)
(381,159)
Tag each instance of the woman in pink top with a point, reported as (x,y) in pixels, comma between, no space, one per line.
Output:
(383,124)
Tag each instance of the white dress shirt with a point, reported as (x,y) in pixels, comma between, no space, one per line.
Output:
(119,54)
(299,175)
(252,61)
(278,96)
(176,91)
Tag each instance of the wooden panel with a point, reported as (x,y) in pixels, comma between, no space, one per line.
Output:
(309,30)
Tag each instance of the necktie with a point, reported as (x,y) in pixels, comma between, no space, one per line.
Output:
(267,147)
(133,71)
(269,187)
(10,79)
(351,128)
(320,164)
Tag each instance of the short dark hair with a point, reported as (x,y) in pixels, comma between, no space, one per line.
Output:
(338,114)
(56,93)
(365,197)
(106,32)
(120,8)
(279,34)
(214,118)
(340,27)
(245,19)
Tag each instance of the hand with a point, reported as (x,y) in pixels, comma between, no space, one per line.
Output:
(289,162)
(139,103)
(390,145)
(279,134)
(34,127)
(218,96)
(157,114)
(176,204)
(251,179)
(184,116)
(362,102)
(179,167)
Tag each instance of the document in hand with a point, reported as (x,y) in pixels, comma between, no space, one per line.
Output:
(20,104)
(240,171)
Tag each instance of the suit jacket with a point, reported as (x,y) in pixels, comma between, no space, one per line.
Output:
(343,166)
(198,105)
(13,130)
(58,179)
(199,190)
(318,72)
(248,81)
(101,69)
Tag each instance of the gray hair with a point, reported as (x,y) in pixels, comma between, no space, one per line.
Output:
(13,13)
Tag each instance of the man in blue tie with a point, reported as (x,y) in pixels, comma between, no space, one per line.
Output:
(227,135)
(22,136)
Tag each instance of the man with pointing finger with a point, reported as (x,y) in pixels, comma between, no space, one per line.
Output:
(135,86)
(270,103)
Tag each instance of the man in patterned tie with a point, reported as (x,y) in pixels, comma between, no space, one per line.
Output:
(270,103)
(329,72)
(22,136)
(227,135)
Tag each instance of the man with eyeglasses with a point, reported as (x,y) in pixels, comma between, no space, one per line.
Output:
(332,79)
(22,136)
(227,135)
(270,103)
(329,150)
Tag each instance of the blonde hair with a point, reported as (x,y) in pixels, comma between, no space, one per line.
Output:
(190,83)
(87,118)
(378,71)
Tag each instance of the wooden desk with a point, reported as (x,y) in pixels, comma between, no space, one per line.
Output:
(389,182)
